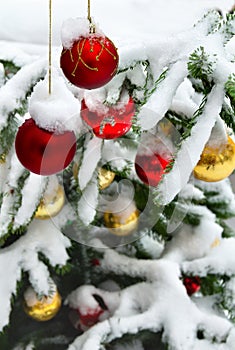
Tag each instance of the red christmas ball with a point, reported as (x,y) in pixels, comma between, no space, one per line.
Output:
(150,168)
(90,318)
(192,284)
(95,262)
(44,152)
(113,123)
(91,62)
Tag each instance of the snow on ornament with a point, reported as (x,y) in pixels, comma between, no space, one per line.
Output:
(42,308)
(121,216)
(89,59)
(217,162)
(88,308)
(46,143)
(109,122)
(153,156)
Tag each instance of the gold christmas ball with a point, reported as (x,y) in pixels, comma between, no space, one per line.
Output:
(216,164)
(119,225)
(44,308)
(106,177)
(51,204)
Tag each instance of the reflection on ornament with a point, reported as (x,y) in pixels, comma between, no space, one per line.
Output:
(51,204)
(105,177)
(109,122)
(150,168)
(119,225)
(91,62)
(44,152)
(216,243)
(216,164)
(154,155)
(44,308)
(2,158)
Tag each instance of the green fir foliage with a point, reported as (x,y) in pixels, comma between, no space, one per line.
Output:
(201,66)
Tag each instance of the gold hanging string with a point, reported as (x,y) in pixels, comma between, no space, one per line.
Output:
(92,26)
(89,11)
(50,47)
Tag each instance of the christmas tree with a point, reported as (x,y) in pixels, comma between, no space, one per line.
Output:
(115,191)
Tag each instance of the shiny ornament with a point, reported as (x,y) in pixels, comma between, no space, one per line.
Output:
(91,317)
(105,178)
(2,158)
(217,163)
(44,152)
(91,62)
(109,122)
(150,168)
(51,204)
(119,225)
(44,308)
(192,284)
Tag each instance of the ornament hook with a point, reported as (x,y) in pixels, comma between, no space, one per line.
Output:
(92,26)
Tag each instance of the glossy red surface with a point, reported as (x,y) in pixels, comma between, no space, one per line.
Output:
(44,152)
(150,168)
(91,62)
(119,124)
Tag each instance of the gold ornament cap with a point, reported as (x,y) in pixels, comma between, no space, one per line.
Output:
(216,163)
(51,204)
(41,308)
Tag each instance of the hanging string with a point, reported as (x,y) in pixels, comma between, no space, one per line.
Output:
(50,47)
(89,11)
(92,26)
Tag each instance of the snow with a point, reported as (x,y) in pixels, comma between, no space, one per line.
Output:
(57,112)
(31,297)
(74,29)
(191,148)
(16,88)
(161,100)
(91,158)
(31,194)
(119,19)
(88,202)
